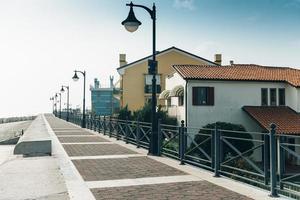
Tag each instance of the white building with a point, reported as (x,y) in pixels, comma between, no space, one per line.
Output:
(251,95)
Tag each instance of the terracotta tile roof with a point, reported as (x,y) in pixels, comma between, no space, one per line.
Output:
(286,119)
(240,72)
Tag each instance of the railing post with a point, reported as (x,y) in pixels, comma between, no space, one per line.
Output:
(217,151)
(87,121)
(181,143)
(273,174)
(104,125)
(99,124)
(266,158)
(91,122)
(138,133)
(95,123)
(159,137)
(110,126)
(212,149)
(118,134)
(281,157)
(126,131)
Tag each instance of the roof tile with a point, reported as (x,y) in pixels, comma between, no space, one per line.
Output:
(286,119)
(240,72)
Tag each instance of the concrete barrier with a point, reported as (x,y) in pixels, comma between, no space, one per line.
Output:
(36,140)
(10,141)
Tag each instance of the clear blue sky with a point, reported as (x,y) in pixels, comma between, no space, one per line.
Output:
(43,41)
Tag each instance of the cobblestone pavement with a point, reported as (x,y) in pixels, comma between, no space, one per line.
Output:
(104,176)
(96,149)
(61,133)
(193,190)
(123,168)
(84,139)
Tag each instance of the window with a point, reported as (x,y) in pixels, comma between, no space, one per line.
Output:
(203,96)
(148,89)
(180,101)
(273,97)
(264,96)
(148,83)
(148,79)
(281,93)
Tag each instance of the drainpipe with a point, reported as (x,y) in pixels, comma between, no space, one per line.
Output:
(186,103)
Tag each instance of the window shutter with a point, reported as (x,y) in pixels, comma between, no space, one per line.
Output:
(194,96)
(211,96)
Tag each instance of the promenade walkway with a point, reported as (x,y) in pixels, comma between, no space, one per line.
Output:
(104,168)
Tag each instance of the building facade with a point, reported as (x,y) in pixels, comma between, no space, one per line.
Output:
(250,95)
(103,99)
(206,94)
(135,82)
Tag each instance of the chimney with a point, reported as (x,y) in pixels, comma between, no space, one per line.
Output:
(122,59)
(111,81)
(218,59)
(231,62)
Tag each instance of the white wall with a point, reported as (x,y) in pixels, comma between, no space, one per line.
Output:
(230,97)
(175,110)
(291,97)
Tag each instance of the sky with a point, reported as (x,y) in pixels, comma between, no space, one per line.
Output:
(43,41)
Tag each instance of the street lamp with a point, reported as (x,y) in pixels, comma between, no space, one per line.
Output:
(131,24)
(55,104)
(59,103)
(76,78)
(62,90)
(52,99)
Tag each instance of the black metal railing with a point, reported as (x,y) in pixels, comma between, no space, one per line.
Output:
(267,160)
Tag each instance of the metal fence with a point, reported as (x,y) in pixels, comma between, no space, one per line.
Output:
(267,160)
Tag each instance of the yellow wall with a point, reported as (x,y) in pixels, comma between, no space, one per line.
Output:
(133,80)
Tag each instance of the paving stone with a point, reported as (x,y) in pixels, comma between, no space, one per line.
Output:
(57,123)
(81,139)
(123,168)
(96,149)
(130,168)
(60,133)
(194,190)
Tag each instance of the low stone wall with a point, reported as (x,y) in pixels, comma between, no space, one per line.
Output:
(36,140)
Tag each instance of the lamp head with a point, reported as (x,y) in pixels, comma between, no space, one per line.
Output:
(131,23)
(75,77)
(62,89)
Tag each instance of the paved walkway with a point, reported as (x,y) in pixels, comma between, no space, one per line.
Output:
(104,168)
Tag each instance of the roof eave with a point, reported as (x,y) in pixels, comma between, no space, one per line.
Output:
(173,47)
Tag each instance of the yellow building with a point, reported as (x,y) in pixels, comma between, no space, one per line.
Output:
(135,82)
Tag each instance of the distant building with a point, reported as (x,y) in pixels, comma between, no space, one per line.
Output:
(103,100)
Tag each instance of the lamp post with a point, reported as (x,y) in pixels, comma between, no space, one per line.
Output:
(76,78)
(52,99)
(55,104)
(62,90)
(59,103)
(131,24)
